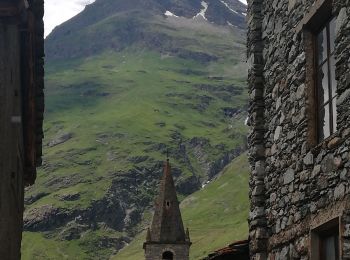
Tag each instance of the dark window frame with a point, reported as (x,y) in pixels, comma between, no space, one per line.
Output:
(316,16)
(319,236)
(333,232)
(332,99)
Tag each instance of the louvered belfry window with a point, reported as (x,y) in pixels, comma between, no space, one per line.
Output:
(325,81)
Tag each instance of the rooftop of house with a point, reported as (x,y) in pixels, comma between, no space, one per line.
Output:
(238,250)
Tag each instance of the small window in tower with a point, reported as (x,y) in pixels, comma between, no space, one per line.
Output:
(167,255)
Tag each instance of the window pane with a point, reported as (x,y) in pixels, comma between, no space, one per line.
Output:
(332,33)
(324,122)
(323,84)
(322,46)
(334,105)
(333,81)
(329,248)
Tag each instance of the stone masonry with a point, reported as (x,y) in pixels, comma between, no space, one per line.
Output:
(298,184)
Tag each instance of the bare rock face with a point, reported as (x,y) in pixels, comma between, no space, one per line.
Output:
(72,230)
(60,139)
(69,196)
(31,199)
(44,218)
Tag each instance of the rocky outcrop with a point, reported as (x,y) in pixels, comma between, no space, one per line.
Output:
(35,197)
(46,217)
(119,209)
(60,139)
(129,195)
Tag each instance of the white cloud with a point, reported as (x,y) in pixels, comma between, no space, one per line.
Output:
(59,11)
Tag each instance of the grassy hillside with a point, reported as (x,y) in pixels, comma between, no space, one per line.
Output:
(216,215)
(111,115)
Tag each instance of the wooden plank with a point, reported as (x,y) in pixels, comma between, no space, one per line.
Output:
(29,97)
(8,9)
(11,143)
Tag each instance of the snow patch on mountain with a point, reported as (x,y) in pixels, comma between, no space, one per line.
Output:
(224,3)
(230,24)
(243,1)
(168,13)
(203,11)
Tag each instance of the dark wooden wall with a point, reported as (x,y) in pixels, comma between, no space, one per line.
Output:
(11,142)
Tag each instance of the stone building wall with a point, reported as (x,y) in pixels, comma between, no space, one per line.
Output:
(297,184)
(180,251)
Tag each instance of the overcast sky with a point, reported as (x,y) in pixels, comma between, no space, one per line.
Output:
(59,11)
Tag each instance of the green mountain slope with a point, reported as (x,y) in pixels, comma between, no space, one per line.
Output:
(215,215)
(115,104)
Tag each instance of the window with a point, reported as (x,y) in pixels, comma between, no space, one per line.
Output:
(326,85)
(318,33)
(325,241)
(329,244)
(167,255)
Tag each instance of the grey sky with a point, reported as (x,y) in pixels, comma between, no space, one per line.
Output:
(59,11)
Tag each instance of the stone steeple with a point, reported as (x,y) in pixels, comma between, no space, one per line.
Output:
(167,235)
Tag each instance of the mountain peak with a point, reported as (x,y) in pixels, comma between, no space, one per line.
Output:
(117,24)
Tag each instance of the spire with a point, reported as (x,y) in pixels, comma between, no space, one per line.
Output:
(167,225)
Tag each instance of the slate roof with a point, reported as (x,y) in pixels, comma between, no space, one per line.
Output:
(167,225)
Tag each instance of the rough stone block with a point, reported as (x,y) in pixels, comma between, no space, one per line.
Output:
(288,176)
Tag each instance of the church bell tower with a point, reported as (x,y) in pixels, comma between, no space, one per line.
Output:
(167,239)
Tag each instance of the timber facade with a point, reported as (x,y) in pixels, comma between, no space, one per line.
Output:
(299,86)
(21,112)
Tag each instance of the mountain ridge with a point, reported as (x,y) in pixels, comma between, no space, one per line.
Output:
(130,21)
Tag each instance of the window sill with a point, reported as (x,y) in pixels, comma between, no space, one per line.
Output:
(330,143)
